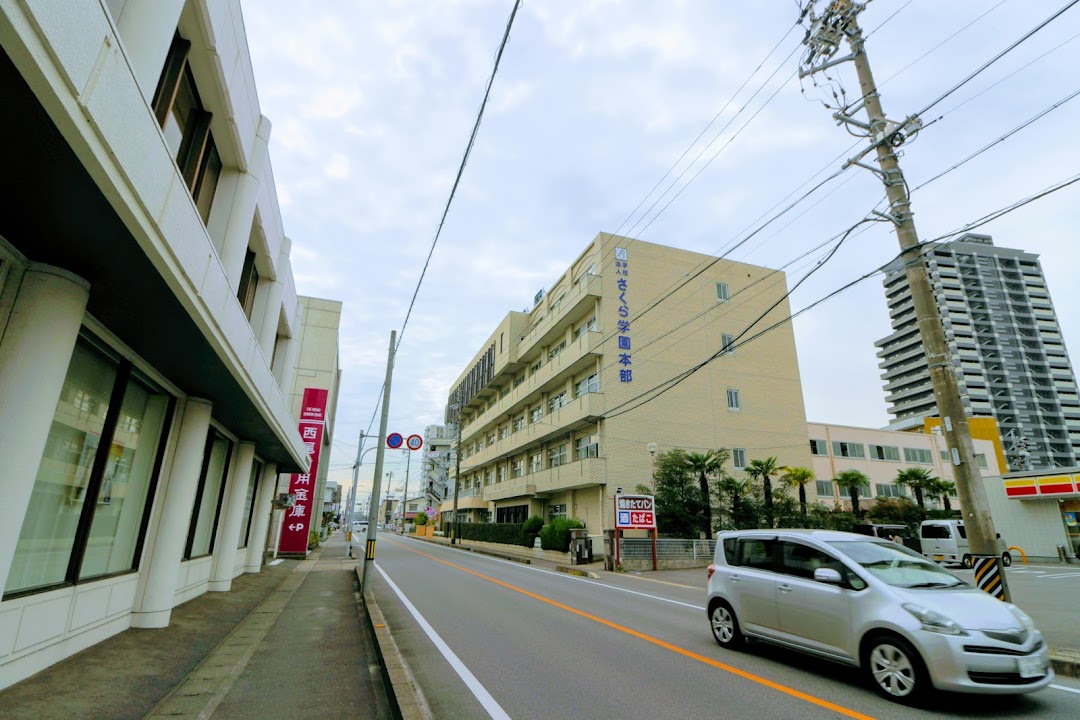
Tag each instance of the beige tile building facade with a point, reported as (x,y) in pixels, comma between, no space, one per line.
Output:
(559,406)
(880,454)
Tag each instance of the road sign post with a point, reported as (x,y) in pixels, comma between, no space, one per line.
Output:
(635,512)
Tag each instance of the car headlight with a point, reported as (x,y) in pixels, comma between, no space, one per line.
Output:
(1022,616)
(933,621)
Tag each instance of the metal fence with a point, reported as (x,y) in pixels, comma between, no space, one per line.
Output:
(667,549)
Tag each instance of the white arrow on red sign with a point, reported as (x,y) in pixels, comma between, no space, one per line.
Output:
(296,526)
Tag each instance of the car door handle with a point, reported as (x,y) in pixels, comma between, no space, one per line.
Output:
(734,578)
(784,588)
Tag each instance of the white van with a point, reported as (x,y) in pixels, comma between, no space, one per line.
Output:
(945,541)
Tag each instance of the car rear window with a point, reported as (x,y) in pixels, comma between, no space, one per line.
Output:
(935,531)
(730,548)
(756,553)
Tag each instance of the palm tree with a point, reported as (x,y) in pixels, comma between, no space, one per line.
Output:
(943,490)
(764,470)
(704,465)
(918,479)
(735,489)
(798,477)
(852,480)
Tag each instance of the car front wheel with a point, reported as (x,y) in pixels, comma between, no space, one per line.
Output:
(1006,559)
(725,626)
(895,669)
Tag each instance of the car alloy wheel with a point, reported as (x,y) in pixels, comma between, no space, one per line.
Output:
(965,562)
(1006,559)
(895,669)
(725,628)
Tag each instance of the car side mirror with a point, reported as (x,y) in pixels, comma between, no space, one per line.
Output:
(827,575)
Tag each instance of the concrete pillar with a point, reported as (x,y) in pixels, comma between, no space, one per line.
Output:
(221,575)
(165,549)
(34,356)
(242,210)
(261,520)
(271,315)
(286,370)
(146,28)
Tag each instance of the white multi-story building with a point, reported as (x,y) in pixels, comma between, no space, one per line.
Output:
(1005,341)
(438,459)
(148,319)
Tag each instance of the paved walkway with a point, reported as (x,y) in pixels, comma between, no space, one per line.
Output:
(290,641)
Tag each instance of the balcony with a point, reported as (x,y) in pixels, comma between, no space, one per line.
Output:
(469,499)
(578,474)
(586,409)
(553,326)
(577,357)
(515,487)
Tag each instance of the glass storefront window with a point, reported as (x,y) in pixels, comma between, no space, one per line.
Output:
(121,502)
(208,500)
(249,504)
(47,538)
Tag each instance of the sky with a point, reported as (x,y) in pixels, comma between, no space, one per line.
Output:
(593,106)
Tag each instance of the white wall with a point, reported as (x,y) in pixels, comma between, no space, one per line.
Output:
(1035,526)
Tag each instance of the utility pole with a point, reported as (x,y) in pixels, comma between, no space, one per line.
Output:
(839,23)
(369,553)
(405,499)
(457,476)
(352,497)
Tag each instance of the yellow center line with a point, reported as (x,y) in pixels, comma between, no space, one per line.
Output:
(655,641)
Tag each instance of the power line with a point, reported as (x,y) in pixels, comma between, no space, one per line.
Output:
(461,168)
(1000,55)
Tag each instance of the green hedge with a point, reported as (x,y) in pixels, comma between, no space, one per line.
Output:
(531,530)
(556,536)
(505,533)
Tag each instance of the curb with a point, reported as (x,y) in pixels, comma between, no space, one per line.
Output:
(1065,663)
(406,700)
(569,570)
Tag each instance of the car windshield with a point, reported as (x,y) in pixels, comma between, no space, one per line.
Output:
(896,565)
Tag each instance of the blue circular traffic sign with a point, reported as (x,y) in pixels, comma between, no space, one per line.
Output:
(394,440)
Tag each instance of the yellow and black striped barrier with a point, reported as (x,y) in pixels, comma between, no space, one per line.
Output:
(370,549)
(988,575)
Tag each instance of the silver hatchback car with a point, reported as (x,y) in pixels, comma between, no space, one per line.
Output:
(908,623)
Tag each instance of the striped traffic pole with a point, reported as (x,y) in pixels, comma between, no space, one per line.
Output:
(988,575)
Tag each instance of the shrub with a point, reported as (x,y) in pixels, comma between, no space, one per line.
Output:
(421,519)
(896,511)
(530,530)
(312,540)
(556,536)
(505,533)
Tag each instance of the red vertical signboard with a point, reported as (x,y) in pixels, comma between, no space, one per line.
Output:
(297,523)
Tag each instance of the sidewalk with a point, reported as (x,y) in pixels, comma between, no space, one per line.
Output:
(290,641)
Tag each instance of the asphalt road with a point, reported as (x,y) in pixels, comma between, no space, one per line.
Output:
(533,643)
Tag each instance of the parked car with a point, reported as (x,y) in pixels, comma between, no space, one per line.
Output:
(946,541)
(888,532)
(907,623)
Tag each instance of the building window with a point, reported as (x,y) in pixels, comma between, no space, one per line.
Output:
(557,456)
(980,460)
(504,432)
(249,284)
(536,413)
(727,343)
(884,452)
(97,475)
(249,504)
(518,380)
(556,402)
(556,350)
(491,438)
(588,447)
(824,488)
(721,292)
(536,462)
(589,384)
(818,447)
(519,422)
(501,473)
(918,455)
(208,496)
(536,366)
(848,450)
(738,458)
(185,124)
(733,400)
(587,326)
(489,477)
(889,490)
(518,468)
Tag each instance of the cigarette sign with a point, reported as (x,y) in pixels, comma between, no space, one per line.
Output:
(635,512)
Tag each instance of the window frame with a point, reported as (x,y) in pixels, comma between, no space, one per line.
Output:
(733,394)
(737,453)
(193,523)
(819,443)
(722,292)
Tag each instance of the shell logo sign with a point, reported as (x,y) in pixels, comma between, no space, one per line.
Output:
(1041,486)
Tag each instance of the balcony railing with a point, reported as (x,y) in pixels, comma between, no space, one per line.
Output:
(583,292)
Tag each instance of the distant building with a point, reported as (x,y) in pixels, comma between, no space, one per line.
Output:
(880,454)
(438,460)
(559,405)
(1005,342)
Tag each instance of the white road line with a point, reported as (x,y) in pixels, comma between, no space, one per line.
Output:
(591,582)
(1066,689)
(479,692)
(1058,577)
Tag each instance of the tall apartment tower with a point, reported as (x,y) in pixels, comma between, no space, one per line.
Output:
(1004,336)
